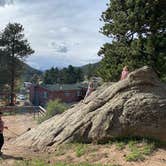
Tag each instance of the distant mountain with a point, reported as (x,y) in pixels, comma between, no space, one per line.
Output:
(88,70)
(29,72)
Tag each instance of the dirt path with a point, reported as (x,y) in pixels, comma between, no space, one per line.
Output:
(17,125)
(104,154)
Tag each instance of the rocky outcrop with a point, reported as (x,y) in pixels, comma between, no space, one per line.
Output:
(135,106)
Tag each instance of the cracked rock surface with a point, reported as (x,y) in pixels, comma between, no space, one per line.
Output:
(135,106)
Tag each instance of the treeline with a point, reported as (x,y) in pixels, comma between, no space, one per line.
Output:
(67,75)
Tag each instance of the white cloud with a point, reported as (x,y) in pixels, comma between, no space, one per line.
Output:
(59,48)
(61,32)
(6,2)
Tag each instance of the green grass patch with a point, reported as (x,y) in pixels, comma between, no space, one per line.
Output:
(31,163)
(80,149)
(139,146)
(63,149)
(120,145)
(83,164)
(135,156)
(139,149)
(84,149)
(148,148)
(132,145)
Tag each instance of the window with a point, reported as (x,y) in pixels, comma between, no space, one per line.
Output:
(45,95)
(67,94)
(78,93)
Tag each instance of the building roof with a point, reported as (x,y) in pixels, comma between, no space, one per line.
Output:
(57,87)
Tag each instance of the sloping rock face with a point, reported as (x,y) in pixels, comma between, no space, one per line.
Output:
(135,106)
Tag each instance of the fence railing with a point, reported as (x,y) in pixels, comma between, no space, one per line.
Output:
(36,110)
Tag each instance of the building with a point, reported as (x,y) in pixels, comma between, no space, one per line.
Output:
(69,93)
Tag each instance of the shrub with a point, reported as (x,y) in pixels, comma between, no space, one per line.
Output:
(53,108)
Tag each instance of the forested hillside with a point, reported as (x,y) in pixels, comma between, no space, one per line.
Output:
(28,72)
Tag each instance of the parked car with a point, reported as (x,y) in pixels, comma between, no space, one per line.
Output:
(21,97)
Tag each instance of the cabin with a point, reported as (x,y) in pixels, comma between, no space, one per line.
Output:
(68,93)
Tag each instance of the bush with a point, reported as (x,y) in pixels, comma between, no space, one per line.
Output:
(53,108)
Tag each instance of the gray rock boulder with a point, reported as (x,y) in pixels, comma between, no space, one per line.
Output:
(135,106)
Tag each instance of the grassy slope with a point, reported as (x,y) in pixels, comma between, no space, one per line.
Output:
(115,153)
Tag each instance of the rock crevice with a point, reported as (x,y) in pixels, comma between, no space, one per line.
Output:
(135,106)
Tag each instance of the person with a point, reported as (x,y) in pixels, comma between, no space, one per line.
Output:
(1,132)
(124,73)
(90,89)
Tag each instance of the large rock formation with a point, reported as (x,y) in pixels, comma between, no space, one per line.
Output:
(135,106)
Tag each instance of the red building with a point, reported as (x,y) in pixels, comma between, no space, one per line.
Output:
(41,94)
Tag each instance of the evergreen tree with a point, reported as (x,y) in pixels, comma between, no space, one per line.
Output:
(137,29)
(4,72)
(51,76)
(79,74)
(63,76)
(71,75)
(68,75)
(91,70)
(16,49)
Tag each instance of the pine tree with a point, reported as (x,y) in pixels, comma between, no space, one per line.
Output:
(15,49)
(137,29)
(4,73)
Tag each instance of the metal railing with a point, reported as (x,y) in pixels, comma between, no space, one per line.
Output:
(36,110)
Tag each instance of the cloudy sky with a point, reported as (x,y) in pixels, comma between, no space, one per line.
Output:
(61,32)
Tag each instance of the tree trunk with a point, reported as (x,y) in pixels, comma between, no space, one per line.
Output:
(12,78)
